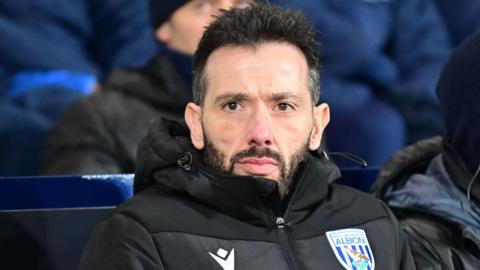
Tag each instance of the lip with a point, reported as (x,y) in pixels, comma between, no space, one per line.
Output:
(257,166)
(258,161)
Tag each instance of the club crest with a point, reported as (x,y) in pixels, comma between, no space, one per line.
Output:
(352,249)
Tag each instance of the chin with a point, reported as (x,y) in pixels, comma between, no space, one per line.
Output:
(271,177)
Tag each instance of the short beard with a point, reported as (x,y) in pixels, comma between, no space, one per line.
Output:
(215,160)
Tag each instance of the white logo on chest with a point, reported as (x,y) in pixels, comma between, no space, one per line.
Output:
(224,258)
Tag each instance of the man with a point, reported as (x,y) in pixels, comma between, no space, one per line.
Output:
(433,186)
(100,134)
(242,187)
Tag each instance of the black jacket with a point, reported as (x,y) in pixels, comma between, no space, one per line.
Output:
(100,134)
(184,216)
(437,241)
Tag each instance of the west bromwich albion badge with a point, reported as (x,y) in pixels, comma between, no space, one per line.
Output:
(352,249)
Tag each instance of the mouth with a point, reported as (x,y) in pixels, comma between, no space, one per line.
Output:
(257,166)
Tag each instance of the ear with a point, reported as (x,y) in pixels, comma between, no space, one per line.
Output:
(321,117)
(193,118)
(164,32)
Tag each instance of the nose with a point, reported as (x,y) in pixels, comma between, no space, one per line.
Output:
(259,130)
(225,5)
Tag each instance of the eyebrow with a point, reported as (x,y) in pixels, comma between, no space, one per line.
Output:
(286,96)
(230,97)
(242,97)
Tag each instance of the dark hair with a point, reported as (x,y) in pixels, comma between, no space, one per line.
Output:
(253,26)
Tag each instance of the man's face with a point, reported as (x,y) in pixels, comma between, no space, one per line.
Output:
(258,116)
(186,25)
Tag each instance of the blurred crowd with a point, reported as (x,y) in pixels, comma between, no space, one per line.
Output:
(80,81)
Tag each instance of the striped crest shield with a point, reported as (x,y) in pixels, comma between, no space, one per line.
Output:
(352,249)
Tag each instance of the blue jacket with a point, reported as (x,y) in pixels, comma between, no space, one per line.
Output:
(434,191)
(387,51)
(89,36)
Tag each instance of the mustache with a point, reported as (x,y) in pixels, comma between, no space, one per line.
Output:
(256,152)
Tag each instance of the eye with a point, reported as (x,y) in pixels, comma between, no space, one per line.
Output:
(284,107)
(231,106)
(203,6)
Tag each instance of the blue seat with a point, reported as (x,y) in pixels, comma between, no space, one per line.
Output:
(46,221)
(64,191)
(46,239)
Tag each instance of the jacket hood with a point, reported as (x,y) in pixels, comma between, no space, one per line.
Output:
(159,83)
(458,91)
(166,142)
(405,162)
(166,158)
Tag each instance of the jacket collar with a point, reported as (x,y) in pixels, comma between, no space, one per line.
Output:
(167,159)
(409,160)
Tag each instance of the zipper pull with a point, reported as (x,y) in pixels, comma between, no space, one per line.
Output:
(280,222)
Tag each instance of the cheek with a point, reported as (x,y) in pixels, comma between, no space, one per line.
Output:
(291,135)
(225,135)
(294,127)
(195,27)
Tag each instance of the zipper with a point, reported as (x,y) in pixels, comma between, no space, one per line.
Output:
(282,235)
(281,228)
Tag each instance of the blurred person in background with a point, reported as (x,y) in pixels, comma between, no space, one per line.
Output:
(433,186)
(381,59)
(53,52)
(100,134)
